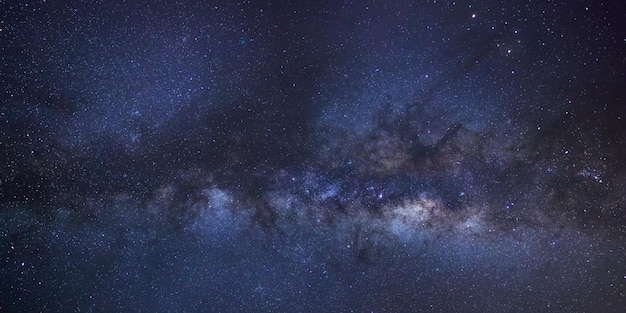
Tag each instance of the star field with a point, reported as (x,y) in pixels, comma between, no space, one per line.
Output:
(331,156)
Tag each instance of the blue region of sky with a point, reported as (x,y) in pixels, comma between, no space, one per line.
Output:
(332,156)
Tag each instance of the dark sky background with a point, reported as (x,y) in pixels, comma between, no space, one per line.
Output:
(312,156)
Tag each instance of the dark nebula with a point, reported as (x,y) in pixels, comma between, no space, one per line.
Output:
(312,156)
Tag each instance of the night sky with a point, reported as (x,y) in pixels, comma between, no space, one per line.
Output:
(313,156)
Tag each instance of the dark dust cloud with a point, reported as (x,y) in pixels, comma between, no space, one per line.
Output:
(312,156)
